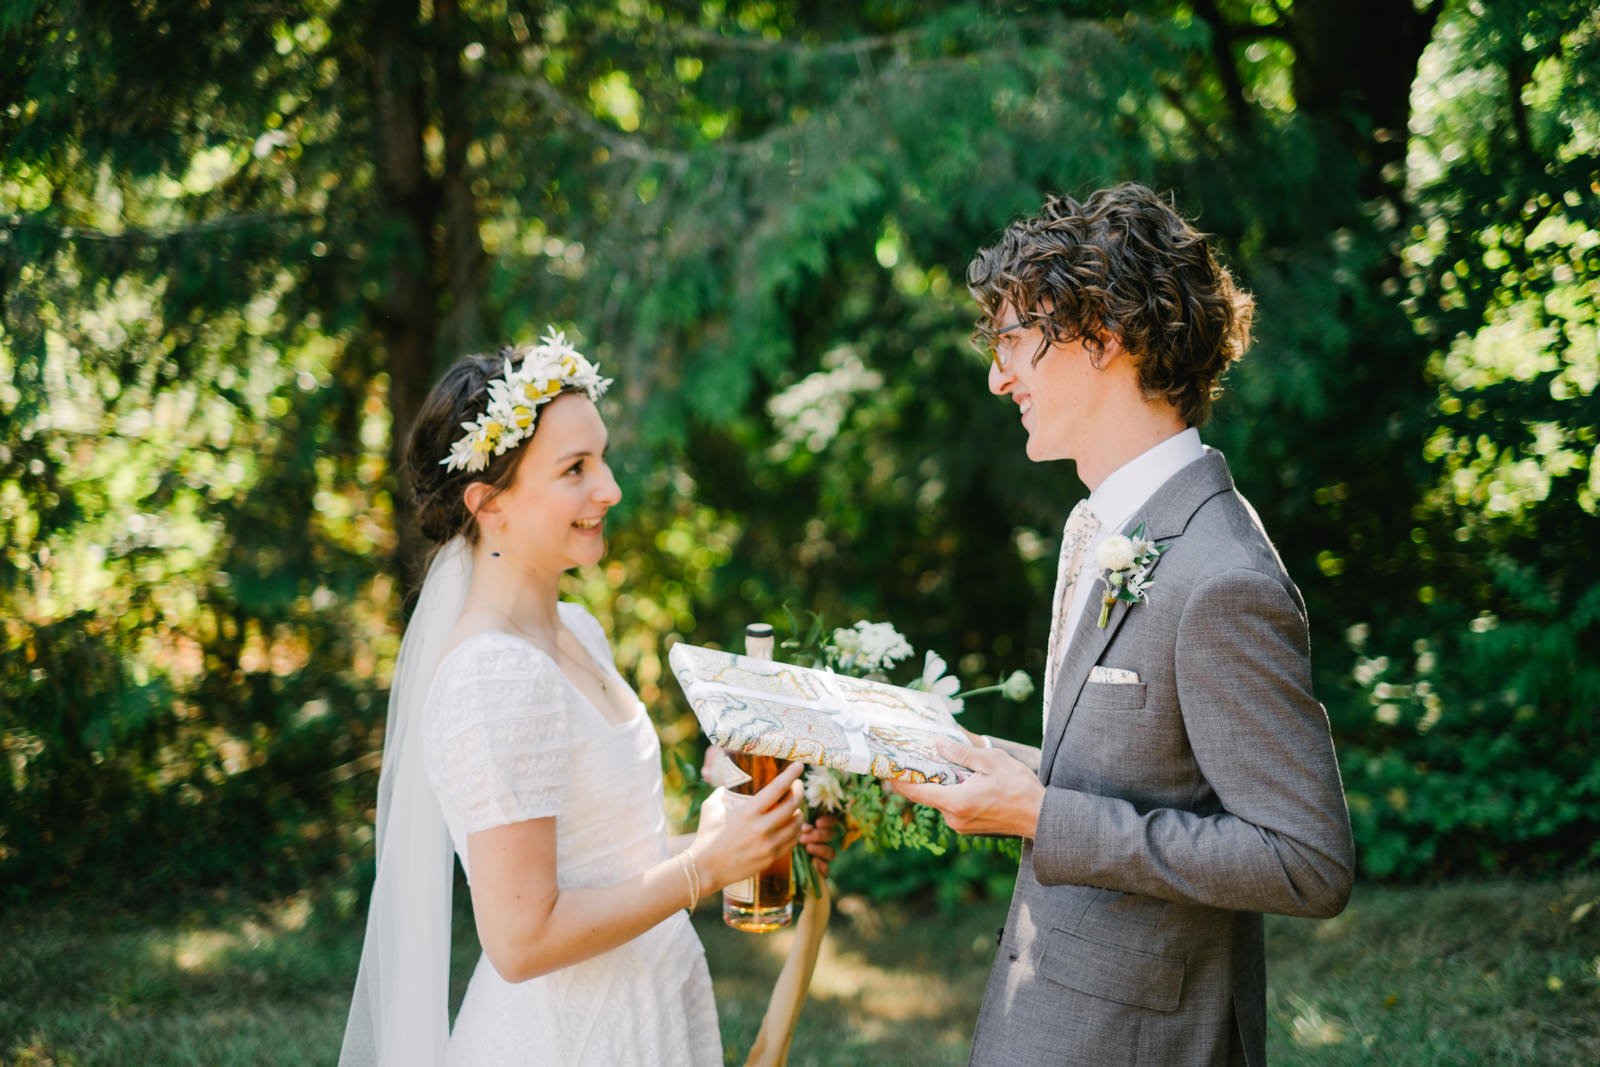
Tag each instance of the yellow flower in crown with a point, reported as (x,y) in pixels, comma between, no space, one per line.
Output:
(534,375)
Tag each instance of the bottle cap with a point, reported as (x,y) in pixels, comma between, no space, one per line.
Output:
(758,629)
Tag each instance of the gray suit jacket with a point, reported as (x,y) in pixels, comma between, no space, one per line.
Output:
(1176,809)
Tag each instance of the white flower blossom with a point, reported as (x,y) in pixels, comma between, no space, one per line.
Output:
(1125,563)
(935,681)
(823,790)
(870,646)
(1018,687)
(533,376)
(1115,553)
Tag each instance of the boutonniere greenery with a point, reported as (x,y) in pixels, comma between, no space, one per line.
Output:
(1125,566)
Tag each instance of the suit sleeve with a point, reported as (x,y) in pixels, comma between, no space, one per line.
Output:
(1281,840)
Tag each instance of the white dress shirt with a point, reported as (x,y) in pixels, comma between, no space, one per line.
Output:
(1124,492)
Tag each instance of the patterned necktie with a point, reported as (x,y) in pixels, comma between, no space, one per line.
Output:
(1082,527)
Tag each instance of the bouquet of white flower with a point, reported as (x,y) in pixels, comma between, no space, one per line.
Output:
(883,821)
(831,703)
(776,713)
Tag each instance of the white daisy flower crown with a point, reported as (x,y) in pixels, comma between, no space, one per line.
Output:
(534,376)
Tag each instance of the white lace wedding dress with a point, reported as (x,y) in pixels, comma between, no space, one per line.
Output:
(509,738)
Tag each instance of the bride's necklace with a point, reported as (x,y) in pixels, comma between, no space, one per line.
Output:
(559,651)
(584,662)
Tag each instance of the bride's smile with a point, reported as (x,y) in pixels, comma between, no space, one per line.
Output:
(515,745)
(552,515)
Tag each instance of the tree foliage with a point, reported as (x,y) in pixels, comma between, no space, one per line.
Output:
(237,241)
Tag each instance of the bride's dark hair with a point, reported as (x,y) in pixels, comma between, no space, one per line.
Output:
(436,490)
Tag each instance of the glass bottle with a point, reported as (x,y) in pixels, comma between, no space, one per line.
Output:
(764,902)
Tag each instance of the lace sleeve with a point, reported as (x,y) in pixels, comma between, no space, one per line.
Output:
(500,735)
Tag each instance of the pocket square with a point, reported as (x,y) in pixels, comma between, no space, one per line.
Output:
(1113,676)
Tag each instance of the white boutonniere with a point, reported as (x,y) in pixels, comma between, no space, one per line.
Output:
(1125,566)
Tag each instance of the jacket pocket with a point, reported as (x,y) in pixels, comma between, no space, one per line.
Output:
(1112,972)
(1113,696)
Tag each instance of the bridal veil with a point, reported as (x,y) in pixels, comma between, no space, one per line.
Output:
(399,1014)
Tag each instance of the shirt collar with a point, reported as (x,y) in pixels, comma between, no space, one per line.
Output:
(1127,488)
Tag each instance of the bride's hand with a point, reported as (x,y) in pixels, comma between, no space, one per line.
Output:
(741,836)
(818,839)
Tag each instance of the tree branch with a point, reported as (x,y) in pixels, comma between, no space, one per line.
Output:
(860,45)
(1222,38)
(635,147)
(1175,98)
(616,142)
(137,234)
(462,250)
(1250,31)
(1518,74)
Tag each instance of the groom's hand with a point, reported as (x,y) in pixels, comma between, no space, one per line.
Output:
(1002,796)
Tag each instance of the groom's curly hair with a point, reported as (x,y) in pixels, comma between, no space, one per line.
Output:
(1122,263)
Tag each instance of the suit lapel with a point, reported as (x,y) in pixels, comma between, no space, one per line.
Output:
(1165,515)
(1089,642)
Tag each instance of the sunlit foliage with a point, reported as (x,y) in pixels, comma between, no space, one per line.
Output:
(237,241)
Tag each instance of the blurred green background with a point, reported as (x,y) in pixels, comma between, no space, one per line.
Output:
(239,240)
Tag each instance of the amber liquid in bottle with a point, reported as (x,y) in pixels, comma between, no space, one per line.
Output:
(765,902)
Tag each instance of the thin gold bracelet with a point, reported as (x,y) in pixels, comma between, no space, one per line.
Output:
(691,874)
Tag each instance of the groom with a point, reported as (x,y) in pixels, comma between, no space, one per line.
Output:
(1187,780)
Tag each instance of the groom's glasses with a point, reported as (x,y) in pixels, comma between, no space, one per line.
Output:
(1000,352)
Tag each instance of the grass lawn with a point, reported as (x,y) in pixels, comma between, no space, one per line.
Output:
(1492,973)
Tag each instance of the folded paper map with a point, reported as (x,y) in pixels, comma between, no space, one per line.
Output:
(766,708)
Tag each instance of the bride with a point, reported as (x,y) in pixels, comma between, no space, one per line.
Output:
(512,739)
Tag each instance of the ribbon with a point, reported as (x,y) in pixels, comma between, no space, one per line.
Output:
(849,723)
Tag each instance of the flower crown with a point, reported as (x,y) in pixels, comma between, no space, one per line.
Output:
(534,376)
